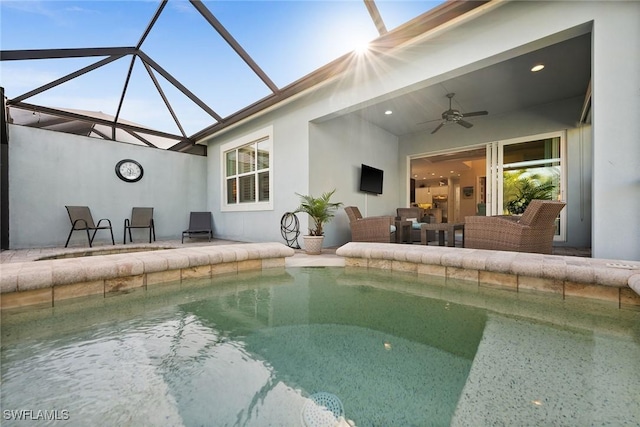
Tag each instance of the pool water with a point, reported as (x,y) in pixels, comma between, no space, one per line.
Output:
(253,349)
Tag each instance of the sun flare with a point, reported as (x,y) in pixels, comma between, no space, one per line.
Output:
(361,47)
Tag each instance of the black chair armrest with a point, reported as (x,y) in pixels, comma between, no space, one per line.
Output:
(77,221)
(100,221)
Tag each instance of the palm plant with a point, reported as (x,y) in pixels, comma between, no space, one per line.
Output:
(320,209)
(525,188)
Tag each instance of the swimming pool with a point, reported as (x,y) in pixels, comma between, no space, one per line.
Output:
(393,348)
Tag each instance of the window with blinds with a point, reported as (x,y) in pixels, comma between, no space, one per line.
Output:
(247,165)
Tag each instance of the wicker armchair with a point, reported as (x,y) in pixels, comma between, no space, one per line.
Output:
(531,232)
(379,229)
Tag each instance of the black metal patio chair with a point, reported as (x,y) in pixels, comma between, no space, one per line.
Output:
(81,219)
(140,218)
(200,223)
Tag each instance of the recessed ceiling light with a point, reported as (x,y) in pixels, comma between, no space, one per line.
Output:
(388,112)
(537,67)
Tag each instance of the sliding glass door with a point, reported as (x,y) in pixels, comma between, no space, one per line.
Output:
(498,178)
(524,169)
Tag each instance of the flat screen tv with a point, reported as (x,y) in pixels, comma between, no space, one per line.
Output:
(371,179)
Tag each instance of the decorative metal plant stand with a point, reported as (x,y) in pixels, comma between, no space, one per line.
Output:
(290,229)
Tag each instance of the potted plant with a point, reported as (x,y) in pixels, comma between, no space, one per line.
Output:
(321,210)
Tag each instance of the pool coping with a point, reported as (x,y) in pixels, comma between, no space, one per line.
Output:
(613,281)
(46,282)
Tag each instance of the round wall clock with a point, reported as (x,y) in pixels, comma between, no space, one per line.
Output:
(129,170)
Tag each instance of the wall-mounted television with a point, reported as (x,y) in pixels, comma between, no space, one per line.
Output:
(371,179)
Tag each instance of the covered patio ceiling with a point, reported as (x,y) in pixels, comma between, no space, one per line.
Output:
(195,68)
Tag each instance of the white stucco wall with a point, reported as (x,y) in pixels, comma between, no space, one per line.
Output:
(331,160)
(290,176)
(49,170)
(503,32)
(616,132)
(338,148)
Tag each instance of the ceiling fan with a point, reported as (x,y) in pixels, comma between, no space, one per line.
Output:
(455,116)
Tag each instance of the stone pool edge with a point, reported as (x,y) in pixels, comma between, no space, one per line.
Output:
(569,277)
(45,282)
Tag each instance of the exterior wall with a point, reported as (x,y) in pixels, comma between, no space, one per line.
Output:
(51,169)
(290,176)
(616,132)
(331,160)
(503,31)
(338,148)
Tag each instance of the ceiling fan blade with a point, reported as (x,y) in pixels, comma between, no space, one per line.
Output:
(429,121)
(438,128)
(475,113)
(465,124)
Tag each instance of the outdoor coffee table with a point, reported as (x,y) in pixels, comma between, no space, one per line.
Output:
(440,228)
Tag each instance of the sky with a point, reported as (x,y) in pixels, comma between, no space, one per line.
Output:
(287,39)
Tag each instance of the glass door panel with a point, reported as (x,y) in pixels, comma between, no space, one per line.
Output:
(529,170)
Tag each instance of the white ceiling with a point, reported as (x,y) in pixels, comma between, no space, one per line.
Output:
(499,89)
(502,88)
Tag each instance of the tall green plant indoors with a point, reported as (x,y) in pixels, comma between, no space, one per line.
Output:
(525,188)
(320,209)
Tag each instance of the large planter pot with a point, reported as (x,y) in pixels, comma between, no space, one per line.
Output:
(313,244)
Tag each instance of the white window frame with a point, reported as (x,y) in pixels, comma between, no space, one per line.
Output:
(264,134)
(495,167)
